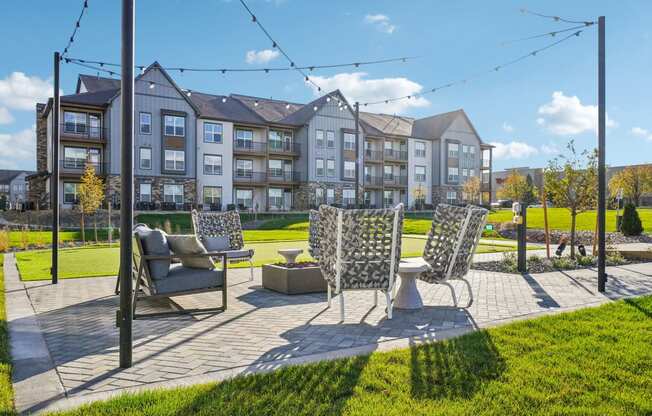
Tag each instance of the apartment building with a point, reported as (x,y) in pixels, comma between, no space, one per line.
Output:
(217,151)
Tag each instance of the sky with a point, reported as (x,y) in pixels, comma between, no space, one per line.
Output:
(529,110)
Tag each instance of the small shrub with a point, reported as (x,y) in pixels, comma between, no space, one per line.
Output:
(39,239)
(4,241)
(535,260)
(510,262)
(24,238)
(563,263)
(586,261)
(491,234)
(615,258)
(631,221)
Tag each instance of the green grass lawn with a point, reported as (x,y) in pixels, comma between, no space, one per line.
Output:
(595,361)
(103,261)
(6,391)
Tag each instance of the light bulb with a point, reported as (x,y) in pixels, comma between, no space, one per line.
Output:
(224,99)
(151,85)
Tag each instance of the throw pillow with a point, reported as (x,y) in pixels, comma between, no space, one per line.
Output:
(220,243)
(154,243)
(189,244)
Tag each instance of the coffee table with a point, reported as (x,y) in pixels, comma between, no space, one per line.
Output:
(408,296)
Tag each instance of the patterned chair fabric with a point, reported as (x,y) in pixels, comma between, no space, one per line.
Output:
(313,234)
(452,240)
(219,224)
(367,247)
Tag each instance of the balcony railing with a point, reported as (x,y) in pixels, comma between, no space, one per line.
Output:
(274,175)
(373,180)
(275,146)
(83,131)
(396,154)
(249,146)
(373,155)
(248,176)
(397,180)
(78,166)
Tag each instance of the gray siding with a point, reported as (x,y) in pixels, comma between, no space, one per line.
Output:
(459,131)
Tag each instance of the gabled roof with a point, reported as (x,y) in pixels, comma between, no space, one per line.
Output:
(272,111)
(97,98)
(7,175)
(215,106)
(385,124)
(304,114)
(97,83)
(434,127)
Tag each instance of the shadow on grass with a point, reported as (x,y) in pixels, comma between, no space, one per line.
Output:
(637,305)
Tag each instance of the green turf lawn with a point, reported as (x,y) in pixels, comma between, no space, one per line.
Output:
(595,361)
(6,391)
(103,261)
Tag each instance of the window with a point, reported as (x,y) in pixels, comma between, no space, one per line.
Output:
(145,158)
(330,167)
(471,173)
(349,169)
(366,198)
(453,150)
(348,197)
(465,173)
(244,139)
(319,138)
(244,197)
(175,160)
(486,158)
(451,197)
(472,150)
(79,157)
(465,149)
(388,172)
(330,139)
(244,168)
(174,126)
(319,163)
(213,195)
(275,198)
(419,149)
(145,123)
(330,196)
(94,129)
(173,193)
(453,174)
(145,192)
(319,196)
(212,164)
(280,140)
(485,177)
(349,141)
(212,133)
(419,173)
(388,199)
(74,122)
(70,192)
(280,168)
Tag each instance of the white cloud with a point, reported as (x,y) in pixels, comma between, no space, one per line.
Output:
(513,150)
(261,57)
(508,127)
(355,87)
(641,132)
(566,115)
(21,92)
(550,149)
(5,116)
(381,22)
(18,150)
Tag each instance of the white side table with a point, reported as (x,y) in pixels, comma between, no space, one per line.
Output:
(408,296)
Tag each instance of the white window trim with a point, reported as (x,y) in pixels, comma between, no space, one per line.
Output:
(174,119)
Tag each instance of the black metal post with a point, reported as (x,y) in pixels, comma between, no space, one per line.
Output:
(602,179)
(54,179)
(521,235)
(357,154)
(126,183)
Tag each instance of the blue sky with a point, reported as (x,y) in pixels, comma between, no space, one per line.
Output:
(530,110)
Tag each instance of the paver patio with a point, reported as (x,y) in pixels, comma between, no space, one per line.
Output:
(261,330)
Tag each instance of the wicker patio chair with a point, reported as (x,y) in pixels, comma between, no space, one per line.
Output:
(150,281)
(452,241)
(222,231)
(313,234)
(360,249)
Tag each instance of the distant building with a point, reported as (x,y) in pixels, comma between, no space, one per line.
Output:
(14,188)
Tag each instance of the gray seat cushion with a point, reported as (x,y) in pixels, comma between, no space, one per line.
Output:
(181,279)
(155,243)
(239,254)
(220,243)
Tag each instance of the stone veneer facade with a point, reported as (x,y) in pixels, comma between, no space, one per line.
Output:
(189,187)
(304,195)
(37,183)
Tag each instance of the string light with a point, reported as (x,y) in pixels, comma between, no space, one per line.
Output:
(223,99)
(548,34)
(556,18)
(71,40)
(151,85)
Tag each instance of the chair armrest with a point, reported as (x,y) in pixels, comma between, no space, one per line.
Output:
(185,256)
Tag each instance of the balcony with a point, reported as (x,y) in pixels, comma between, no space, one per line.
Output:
(395,180)
(280,176)
(242,176)
(398,155)
(373,155)
(249,147)
(83,133)
(76,167)
(370,180)
(283,148)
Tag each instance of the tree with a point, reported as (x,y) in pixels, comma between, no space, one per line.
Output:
(572,182)
(471,189)
(91,195)
(631,221)
(419,196)
(530,195)
(516,187)
(634,181)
